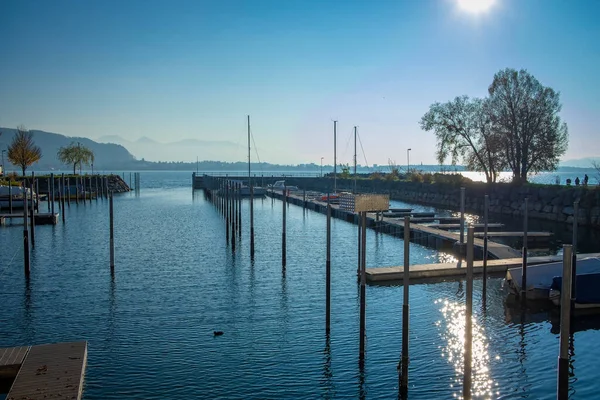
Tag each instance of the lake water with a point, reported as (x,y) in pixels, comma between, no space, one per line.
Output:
(150,329)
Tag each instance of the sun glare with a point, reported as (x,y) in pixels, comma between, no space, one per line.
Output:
(475,6)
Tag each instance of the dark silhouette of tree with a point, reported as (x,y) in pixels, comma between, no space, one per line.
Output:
(465,134)
(75,154)
(525,114)
(22,151)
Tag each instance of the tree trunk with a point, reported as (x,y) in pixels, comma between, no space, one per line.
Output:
(74,165)
(24,168)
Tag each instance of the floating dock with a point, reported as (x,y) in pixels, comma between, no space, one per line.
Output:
(426,272)
(421,234)
(48,371)
(38,218)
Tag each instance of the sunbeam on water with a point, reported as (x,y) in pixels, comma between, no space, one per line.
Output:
(452,332)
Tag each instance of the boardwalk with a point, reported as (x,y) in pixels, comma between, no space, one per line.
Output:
(442,271)
(50,371)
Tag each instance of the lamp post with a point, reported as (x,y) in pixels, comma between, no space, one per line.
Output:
(322,167)
(408,160)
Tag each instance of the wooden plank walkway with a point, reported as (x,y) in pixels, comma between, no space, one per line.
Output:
(515,234)
(496,250)
(457,226)
(51,371)
(11,360)
(425,272)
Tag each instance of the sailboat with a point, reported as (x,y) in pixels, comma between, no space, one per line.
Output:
(245,190)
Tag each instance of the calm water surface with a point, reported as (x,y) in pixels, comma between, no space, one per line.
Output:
(150,329)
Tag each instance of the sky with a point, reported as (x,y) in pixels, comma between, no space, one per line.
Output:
(173,70)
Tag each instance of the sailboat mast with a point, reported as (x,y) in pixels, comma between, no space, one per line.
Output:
(334,157)
(354,160)
(249,150)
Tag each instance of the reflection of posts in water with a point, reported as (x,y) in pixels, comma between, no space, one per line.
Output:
(524,263)
(468,316)
(328,272)
(565,318)
(404,359)
(327,371)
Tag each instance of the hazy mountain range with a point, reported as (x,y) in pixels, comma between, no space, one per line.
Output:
(116,153)
(181,150)
(106,155)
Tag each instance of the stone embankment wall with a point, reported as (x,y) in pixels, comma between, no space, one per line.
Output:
(552,203)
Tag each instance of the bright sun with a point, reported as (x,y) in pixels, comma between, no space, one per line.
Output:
(475,6)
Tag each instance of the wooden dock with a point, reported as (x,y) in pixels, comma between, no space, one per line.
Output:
(38,218)
(457,226)
(422,234)
(516,234)
(442,271)
(11,360)
(48,371)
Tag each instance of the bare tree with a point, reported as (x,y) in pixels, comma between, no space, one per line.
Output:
(525,113)
(464,132)
(596,166)
(22,151)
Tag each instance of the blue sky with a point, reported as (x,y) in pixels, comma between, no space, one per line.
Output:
(170,70)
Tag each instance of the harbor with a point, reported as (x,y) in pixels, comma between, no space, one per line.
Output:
(189,288)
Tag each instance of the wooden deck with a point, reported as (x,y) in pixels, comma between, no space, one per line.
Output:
(427,272)
(457,226)
(11,360)
(51,371)
(516,234)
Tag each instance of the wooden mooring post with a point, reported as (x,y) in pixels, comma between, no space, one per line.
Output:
(328,271)
(62,200)
(251,221)
(233,215)
(524,252)
(283,238)
(562,391)
(468,356)
(112,234)
(462,218)
(239,208)
(10,199)
(226,210)
(486,206)
(574,256)
(363,289)
(26,261)
(31,211)
(404,358)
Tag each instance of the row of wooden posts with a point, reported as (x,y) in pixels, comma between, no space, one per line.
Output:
(61,186)
(228,200)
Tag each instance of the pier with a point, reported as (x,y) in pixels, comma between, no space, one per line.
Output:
(48,371)
(443,271)
(419,233)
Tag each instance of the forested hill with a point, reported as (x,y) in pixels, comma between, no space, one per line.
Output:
(107,155)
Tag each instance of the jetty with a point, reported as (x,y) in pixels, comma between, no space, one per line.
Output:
(443,271)
(419,233)
(38,218)
(47,371)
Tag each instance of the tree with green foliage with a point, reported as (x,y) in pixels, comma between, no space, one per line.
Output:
(22,151)
(76,154)
(525,115)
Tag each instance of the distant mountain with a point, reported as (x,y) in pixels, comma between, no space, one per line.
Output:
(107,156)
(580,162)
(182,150)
